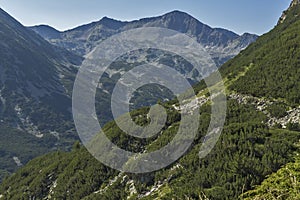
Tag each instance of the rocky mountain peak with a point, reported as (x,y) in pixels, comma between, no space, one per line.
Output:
(111,23)
(177,13)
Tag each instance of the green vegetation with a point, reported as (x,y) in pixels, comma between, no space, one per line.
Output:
(282,185)
(15,143)
(79,177)
(293,126)
(277,110)
(245,154)
(274,65)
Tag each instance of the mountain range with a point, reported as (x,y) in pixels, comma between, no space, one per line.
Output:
(258,149)
(220,43)
(38,71)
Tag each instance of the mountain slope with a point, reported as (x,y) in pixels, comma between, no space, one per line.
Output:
(34,93)
(271,65)
(282,185)
(32,72)
(249,149)
(220,43)
(246,152)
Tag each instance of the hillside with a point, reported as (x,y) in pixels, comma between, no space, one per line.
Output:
(35,98)
(247,152)
(282,185)
(270,66)
(261,136)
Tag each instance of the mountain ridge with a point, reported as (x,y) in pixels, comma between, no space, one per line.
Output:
(47,31)
(222,44)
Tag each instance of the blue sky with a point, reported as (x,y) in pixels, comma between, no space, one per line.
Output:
(255,16)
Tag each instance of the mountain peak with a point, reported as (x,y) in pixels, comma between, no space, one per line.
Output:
(179,15)
(105,18)
(111,23)
(177,12)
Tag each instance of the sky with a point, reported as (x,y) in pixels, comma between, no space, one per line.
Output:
(240,16)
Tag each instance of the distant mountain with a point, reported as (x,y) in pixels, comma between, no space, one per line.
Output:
(47,32)
(35,88)
(260,137)
(220,43)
